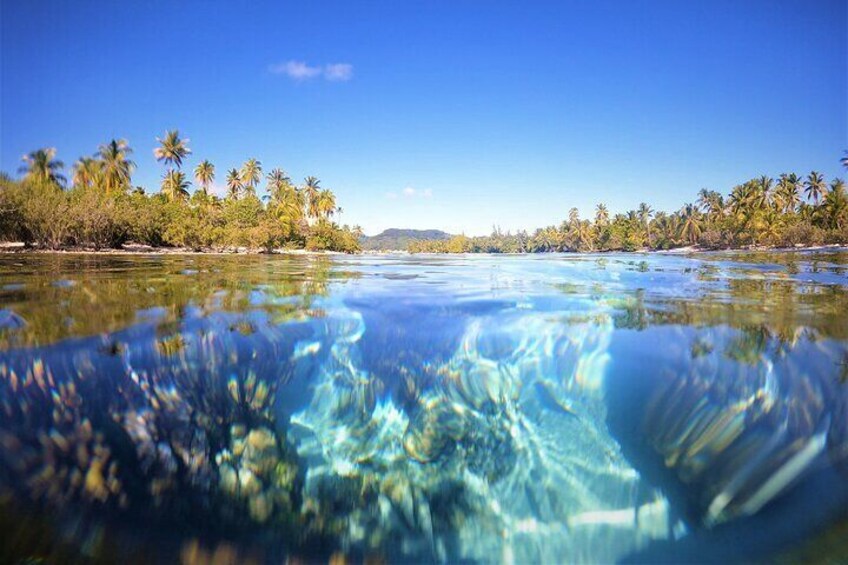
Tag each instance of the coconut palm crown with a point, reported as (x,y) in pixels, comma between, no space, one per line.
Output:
(174,185)
(41,165)
(234,184)
(311,189)
(117,167)
(87,172)
(204,173)
(251,174)
(815,186)
(172,149)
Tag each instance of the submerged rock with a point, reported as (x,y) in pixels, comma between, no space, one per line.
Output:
(435,430)
(257,471)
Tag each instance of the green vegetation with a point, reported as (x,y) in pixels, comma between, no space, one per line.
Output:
(102,209)
(759,212)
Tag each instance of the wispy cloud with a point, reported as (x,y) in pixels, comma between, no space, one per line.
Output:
(338,72)
(410,192)
(297,70)
(302,71)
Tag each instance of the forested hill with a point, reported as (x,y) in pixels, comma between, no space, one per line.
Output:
(398,239)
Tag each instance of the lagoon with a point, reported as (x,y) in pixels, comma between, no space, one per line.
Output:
(544,408)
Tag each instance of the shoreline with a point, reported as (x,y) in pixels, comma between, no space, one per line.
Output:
(133,249)
(12,248)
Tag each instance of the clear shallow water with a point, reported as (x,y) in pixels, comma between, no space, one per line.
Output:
(541,408)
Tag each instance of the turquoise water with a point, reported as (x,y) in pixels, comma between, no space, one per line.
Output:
(581,408)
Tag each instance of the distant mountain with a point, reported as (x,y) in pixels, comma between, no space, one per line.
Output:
(394,239)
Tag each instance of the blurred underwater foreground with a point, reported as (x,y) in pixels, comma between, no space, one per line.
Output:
(580,408)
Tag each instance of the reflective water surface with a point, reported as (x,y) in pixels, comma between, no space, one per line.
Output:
(581,408)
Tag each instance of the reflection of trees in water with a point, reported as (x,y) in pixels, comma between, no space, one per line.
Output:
(108,293)
(764,309)
(750,345)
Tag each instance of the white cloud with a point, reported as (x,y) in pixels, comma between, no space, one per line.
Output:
(391,195)
(338,72)
(411,192)
(296,70)
(302,71)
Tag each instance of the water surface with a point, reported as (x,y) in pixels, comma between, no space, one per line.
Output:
(587,408)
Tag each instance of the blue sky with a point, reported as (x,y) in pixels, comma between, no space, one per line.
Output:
(452,115)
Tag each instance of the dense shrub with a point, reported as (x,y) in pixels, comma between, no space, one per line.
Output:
(11,221)
(325,235)
(45,211)
(803,233)
(96,220)
(46,216)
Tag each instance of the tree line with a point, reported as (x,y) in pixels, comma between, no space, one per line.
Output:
(101,208)
(789,211)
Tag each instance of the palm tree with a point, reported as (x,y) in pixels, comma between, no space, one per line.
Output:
(326,203)
(645,212)
(87,172)
(601,215)
(545,239)
(117,167)
(690,226)
(582,235)
(665,229)
(42,166)
(175,185)
(233,184)
(762,192)
(786,194)
(711,202)
(815,186)
(737,198)
(172,150)
(769,226)
(204,173)
(251,174)
(703,200)
(836,204)
(311,188)
(278,185)
(290,207)
(745,200)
